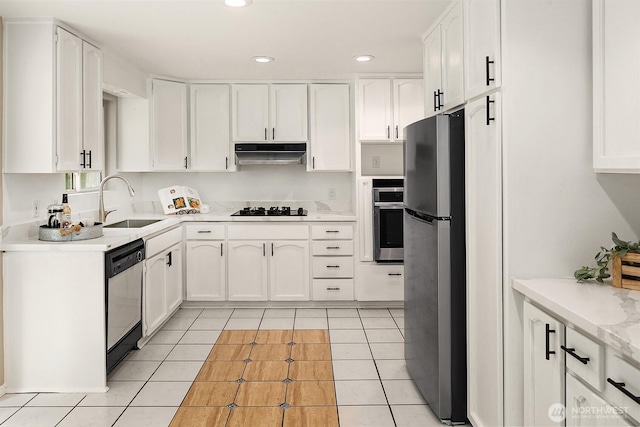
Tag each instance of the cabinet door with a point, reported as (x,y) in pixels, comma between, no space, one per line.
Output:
(173,279)
(543,366)
(247,272)
(452,59)
(481,47)
(92,125)
(365,218)
(374,109)
(288,112)
(432,72)
(69,105)
(330,132)
(210,142)
(155,306)
(483,144)
(169,125)
(582,404)
(408,104)
(250,112)
(206,270)
(289,270)
(616,102)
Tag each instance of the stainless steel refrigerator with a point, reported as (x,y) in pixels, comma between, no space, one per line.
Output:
(434,262)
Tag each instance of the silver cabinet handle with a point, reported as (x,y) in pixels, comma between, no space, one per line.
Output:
(273,134)
(333,266)
(395,274)
(333,247)
(204,231)
(396,131)
(333,289)
(221,249)
(226,163)
(264,249)
(271,249)
(388,132)
(265,134)
(332,231)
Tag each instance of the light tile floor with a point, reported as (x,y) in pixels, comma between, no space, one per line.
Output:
(372,385)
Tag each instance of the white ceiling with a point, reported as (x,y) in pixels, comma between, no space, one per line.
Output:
(204,39)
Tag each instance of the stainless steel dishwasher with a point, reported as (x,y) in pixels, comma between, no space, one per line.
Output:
(123,300)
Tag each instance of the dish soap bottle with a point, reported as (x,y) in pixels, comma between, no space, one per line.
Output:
(66,211)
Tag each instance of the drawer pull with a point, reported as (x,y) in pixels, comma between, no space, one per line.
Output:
(333,289)
(332,231)
(204,231)
(548,331)
(572,352)
(333,266)
(333,247)
(395,274)
(620,386)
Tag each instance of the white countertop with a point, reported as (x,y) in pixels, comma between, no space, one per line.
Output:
(114,237)
(608,313)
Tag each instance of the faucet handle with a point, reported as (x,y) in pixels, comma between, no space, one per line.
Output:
(107,212)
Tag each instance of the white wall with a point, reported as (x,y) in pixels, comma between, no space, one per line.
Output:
(558,212)
(256,183)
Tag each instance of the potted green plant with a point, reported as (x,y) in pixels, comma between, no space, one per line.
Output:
(602,258)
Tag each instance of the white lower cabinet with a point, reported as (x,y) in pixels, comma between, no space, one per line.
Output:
(247,274)
(543,366)
(381,282)
(206,270)
(567,367)
(162,286)
(332,262)
(289,270)
(206,258)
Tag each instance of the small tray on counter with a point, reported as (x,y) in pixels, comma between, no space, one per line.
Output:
(61,235)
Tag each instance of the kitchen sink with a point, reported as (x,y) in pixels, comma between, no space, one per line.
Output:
(132,223)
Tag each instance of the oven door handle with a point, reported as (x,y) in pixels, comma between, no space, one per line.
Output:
(388,205)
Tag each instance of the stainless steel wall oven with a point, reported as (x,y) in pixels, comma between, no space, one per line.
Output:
(387,220)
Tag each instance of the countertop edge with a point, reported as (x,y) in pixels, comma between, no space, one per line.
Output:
(536,291)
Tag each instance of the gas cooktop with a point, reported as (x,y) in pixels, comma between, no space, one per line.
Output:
(272,211)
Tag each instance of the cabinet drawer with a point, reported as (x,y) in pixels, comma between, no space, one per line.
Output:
(621,371)
(578,345)
(330,266)
(379,282)
(268,232)
(332,232)
(204,232)
(333,247)
(163,241)
(333,290)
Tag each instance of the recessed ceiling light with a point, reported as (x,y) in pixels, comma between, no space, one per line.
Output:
(238,3)
(263,59)
(364,58)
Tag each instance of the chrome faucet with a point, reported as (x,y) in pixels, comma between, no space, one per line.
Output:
(102,214)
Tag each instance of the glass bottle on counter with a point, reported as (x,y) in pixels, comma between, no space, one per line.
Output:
(66,211)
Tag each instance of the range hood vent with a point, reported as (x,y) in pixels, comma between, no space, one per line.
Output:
(269,153)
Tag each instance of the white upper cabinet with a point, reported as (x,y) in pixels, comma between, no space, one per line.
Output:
(616,87)
(53,100)
(482,59)
(210,134)
(386,106)
(374,110)
(288,112)
(262,112)
(69,105)
(432,72)
(250,112)
(92,118)
(408,104)
(169,125)
(452,58)
(444,63)
(329,139)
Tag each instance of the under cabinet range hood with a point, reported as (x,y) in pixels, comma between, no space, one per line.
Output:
(269,153)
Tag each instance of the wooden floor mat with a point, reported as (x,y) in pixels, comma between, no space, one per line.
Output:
(279,378)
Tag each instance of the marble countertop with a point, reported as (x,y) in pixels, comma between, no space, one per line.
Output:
(610,314)
(114,237)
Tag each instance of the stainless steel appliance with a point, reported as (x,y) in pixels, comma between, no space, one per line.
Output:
(270,153)
(387,220)
(434,263)
(123,300)
(272,211)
